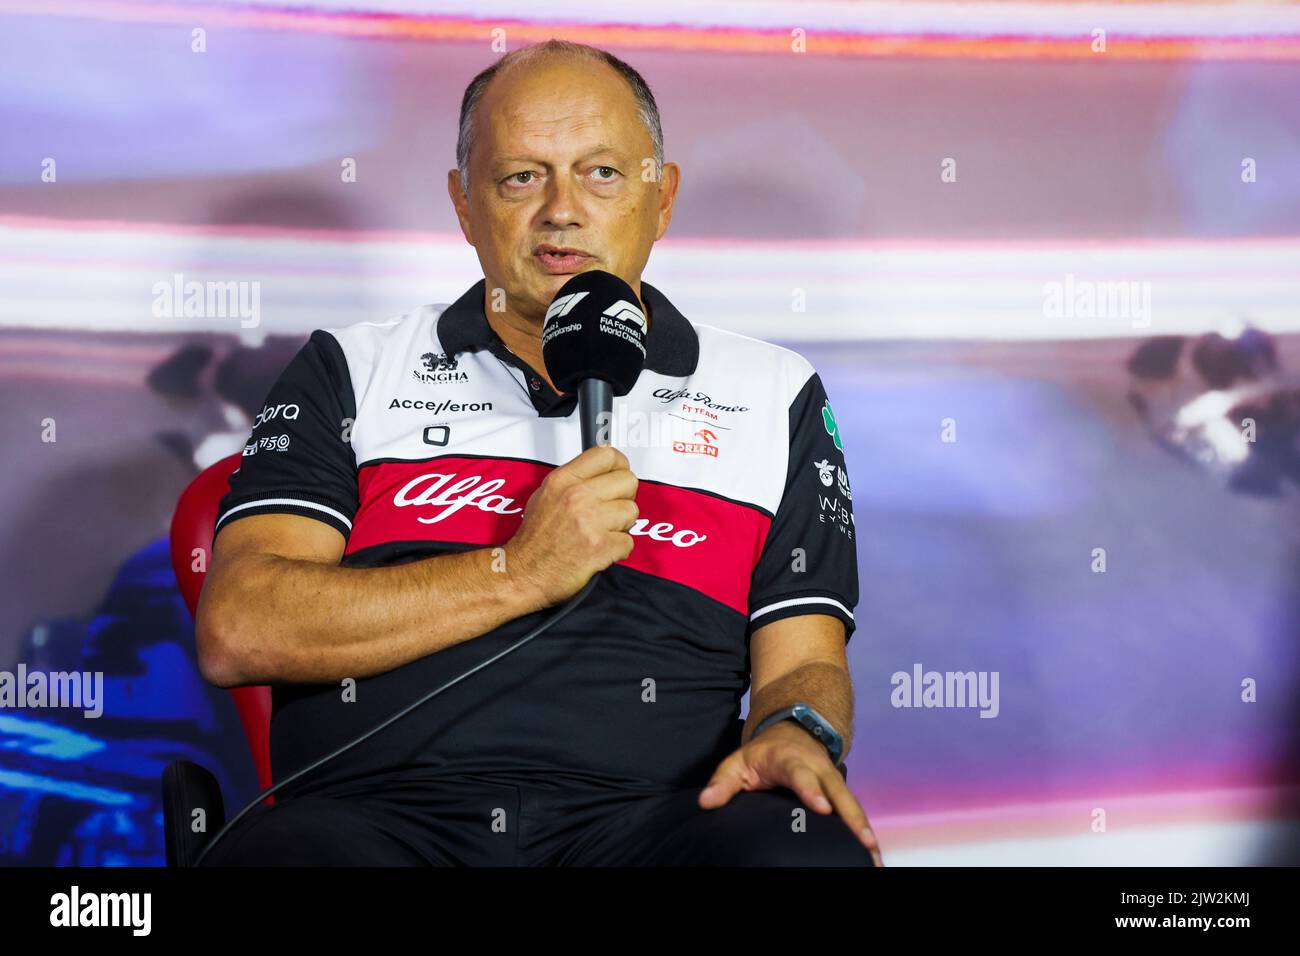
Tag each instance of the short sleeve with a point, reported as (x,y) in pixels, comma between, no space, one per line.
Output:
(809,564)
(299,458)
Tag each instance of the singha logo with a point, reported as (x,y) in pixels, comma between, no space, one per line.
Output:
(438,362)
(440,368)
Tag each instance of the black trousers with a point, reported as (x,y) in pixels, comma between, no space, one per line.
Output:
(474,821)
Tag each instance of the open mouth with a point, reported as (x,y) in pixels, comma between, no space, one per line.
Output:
(558,260)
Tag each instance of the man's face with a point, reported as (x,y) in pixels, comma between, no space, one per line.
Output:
(560,158)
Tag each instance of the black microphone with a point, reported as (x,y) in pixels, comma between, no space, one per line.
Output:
(593,342)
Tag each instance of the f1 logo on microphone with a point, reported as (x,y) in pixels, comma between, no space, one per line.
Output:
(437,435)
(564,305)
(627,312)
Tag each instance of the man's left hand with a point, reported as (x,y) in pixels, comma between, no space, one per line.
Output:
(786,755)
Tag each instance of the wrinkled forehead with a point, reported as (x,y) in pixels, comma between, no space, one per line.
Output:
(573,105)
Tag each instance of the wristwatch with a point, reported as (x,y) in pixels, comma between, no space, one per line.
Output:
(811,721)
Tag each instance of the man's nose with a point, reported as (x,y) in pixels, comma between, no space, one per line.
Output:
(562,208)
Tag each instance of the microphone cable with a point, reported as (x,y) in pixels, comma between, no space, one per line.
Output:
(554,618)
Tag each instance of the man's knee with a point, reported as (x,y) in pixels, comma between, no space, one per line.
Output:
(774,828)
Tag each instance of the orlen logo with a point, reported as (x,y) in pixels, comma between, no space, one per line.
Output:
(472,491)
(275,411)
(705,447)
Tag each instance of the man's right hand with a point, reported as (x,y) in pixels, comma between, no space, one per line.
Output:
(576,523)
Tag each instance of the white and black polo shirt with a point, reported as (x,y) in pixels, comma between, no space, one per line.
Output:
(425,434)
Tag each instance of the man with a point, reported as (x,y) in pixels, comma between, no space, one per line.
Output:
(373,546)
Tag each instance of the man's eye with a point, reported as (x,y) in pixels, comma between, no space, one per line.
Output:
(612,173)
(526,172)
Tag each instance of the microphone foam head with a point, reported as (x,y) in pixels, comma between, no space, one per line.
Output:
(594,328)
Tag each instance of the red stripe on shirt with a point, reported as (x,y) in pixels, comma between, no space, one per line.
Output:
(692,538)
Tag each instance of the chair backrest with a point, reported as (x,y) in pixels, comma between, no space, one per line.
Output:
(191,543)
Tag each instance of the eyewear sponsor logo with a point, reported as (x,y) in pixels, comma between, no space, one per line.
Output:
(832,508)
(834,511)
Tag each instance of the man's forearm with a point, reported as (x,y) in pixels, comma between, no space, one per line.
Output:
(824,686)
(306,622)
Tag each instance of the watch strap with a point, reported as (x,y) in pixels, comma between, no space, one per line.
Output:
(816,725)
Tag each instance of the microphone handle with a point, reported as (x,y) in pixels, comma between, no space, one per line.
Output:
(595,396)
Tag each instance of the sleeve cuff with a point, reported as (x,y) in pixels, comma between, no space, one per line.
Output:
(287,504)
(776,609)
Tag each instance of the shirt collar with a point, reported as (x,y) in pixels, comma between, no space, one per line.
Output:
(672,346)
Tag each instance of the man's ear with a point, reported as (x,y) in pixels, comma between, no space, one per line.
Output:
(668,184)
(460,202)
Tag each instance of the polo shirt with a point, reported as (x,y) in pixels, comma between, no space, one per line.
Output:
(424,435)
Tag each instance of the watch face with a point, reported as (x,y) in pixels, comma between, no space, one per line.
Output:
(823,732)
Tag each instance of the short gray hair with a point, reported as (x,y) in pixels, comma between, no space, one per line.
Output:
(646,106)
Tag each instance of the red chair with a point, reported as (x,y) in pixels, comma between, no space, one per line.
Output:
(187,786)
